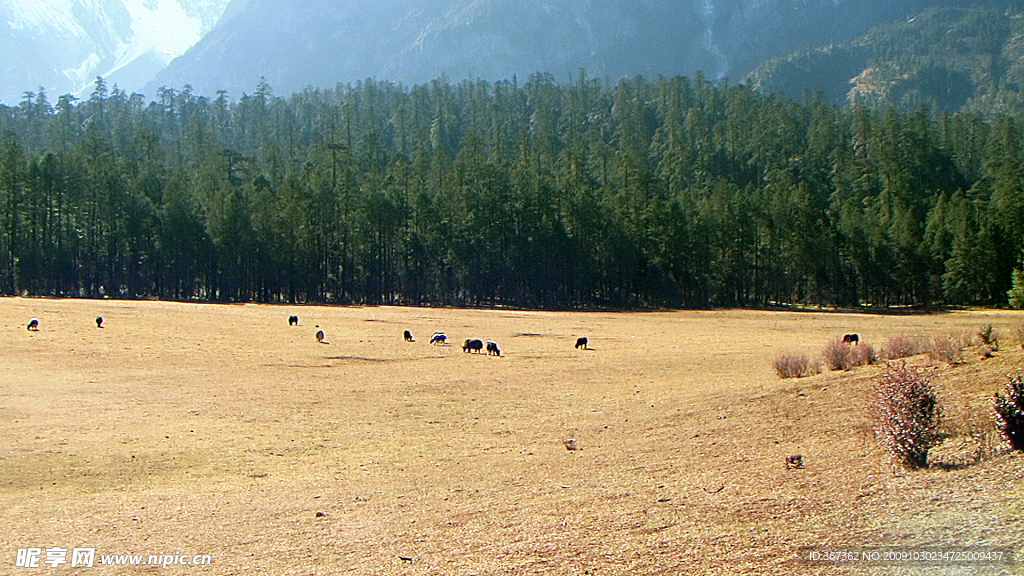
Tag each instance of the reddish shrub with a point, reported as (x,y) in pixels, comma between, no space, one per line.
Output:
(906,413)
(1010,413)
(863,355)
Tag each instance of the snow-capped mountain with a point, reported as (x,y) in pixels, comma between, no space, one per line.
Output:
(63,45)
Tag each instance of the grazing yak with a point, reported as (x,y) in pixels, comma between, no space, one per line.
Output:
(320,336)
(439,338)
(851,339)
(492,348)
(33,324)
(408,336)
(582,342)
(99,321)
(293,320)
(472,344)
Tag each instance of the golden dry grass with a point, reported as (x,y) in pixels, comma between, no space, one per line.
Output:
(219,429)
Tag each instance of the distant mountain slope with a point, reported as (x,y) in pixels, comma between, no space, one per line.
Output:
(62,45)
(320,43)
(294,44)
(948,58)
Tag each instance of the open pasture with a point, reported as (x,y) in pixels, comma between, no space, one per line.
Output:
(223,430)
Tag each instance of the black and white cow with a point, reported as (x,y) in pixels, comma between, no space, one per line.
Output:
(492,348)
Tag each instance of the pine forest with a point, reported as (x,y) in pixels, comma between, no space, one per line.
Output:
(668,192)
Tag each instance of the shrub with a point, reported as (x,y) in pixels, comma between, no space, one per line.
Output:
(948,349)
(1019,330)
(1010,413)
(863,355)
(901,347)
(837,355)
(795,366)
(989,336)
(906,413)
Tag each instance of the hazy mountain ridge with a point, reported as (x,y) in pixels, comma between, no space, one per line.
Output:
(946,58)
(321,43)
(62,45)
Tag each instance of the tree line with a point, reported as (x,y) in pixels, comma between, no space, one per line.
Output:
(675,192)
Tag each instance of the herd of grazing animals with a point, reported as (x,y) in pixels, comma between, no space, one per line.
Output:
(470,345)
(478,346)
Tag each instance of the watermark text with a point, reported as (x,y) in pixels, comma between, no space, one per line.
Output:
(907,556)
(87,557)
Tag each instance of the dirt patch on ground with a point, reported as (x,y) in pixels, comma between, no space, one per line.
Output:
(222,430)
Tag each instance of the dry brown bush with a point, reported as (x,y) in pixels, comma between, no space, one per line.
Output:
(989,336)
(948,349)
(1018,329)
(838,355)
(901,347)
(796,366)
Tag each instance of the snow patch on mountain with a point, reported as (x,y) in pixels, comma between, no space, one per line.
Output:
(63,45)
(164,26)
(44,16)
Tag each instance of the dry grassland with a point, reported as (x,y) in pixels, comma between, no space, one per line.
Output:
(220,430)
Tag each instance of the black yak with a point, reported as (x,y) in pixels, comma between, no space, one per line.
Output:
(472,344)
